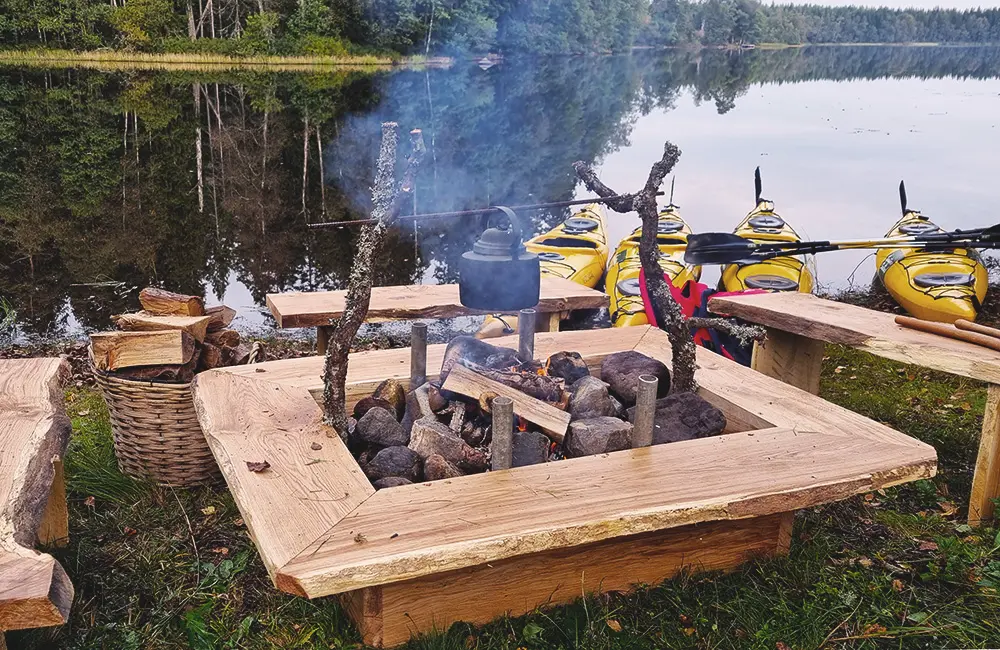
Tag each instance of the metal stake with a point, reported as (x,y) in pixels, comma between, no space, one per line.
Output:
(645,411)
(502,446)
(418,355)
(526,331)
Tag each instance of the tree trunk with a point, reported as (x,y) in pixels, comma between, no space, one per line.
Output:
(197,147)
(192,34)
(322,172)
(305,166)
(387,197)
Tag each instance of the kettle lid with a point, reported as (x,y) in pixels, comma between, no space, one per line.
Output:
(496,242)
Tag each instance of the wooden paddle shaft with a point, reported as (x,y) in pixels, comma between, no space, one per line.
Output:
(968,325)
(944,329)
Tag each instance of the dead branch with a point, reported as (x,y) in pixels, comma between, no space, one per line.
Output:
(745,334)
(388,197)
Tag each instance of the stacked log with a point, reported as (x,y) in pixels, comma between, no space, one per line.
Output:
(174,337)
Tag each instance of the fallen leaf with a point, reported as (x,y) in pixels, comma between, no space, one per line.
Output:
(874,629)
(781,646)
(221,550)
(83,413)
(89,502)
(838,369)
(897,585)
(689,631)
(208,510)
(255,466)
(685,620)
(238,522)
(614,625)
(865,562)
(129,531)
(315,446)
(947,508)
(927,546)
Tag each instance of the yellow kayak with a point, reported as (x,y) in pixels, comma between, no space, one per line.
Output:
(786,273)
(622,283)
(939,286)
(576,249)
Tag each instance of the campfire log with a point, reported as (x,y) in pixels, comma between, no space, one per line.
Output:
(224,338)
(221,316)
(549,418)
(114,350)
(543,387)
(167,303)
(196,326)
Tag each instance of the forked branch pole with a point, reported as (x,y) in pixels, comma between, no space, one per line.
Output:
(388,197)
(668,313)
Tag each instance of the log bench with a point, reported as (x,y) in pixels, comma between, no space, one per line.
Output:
(411,302)
(799,326)
(419,557)
(34,431)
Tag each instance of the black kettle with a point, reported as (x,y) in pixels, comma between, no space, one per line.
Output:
(498,274)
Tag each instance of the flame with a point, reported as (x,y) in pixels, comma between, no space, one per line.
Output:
(522,424)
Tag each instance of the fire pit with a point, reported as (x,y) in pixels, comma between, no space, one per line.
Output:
(420,556)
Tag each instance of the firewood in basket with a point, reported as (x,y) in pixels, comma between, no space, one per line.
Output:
(196,326)
(115,350)
(211,357)
(166,303)
(221,316)
(224,338)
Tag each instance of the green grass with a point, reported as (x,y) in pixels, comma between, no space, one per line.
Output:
(158,568)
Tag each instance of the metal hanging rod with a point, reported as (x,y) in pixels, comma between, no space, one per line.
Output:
(467,213)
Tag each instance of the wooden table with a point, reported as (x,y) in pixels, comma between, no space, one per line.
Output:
(34,431)
(418,557)
(410,302)
(799,325)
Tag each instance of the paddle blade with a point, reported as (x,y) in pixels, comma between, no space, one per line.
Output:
(717,248)
(991,234)
(902,197)
(756,186)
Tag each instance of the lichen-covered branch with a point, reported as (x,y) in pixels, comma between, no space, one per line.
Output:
(667,312)
(388,197)
(745,334)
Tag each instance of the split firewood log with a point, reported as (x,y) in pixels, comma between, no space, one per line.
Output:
(196,326)
(224,338)
(161,302)
(221,315)
(211,357)
(543,387)
(115,350)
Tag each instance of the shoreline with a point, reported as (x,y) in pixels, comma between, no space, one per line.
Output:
(114,59)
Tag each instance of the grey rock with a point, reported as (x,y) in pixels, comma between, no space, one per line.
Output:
(418,406)
(591,399)
(390,481)
(568,365)
(401,462)
(379,427)
(480,352)
(529,448)
(430,437)
(393,393)
(597,436)
(437,468)
(366,403)
(621,371)
(436,400)
(684,416)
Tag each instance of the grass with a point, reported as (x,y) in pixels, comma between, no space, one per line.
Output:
(163,569)
(115,59)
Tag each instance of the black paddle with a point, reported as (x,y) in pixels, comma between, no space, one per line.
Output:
(727,248)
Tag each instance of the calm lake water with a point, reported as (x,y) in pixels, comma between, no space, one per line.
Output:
(99,171)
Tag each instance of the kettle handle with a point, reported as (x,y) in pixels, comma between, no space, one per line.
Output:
(515,224)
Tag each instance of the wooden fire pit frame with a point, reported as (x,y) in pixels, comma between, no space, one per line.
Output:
(419,557)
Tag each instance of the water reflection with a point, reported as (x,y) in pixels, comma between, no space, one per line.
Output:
(205,182)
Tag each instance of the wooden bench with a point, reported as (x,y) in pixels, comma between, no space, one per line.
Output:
(419,557)
(34,431)
(799,325)
(410,302)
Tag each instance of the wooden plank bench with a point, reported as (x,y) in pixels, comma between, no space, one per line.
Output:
(419,557)
(411,302)
(34,431)
(799,325)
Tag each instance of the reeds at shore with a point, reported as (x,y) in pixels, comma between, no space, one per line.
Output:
(113,59)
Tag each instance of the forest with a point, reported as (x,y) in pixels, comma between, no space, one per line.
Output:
(447,27)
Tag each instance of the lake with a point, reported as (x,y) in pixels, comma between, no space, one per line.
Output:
(205,181)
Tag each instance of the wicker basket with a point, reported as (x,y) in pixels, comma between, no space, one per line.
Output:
(156,431)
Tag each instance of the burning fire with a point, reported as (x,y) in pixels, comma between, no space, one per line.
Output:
(522,424)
